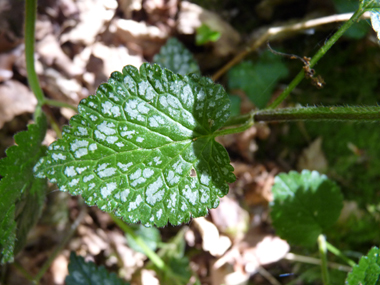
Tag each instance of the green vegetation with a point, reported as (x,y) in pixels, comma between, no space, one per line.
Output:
(143,149)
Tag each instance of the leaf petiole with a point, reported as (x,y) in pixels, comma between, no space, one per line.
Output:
(322,252)
(338,253)
(247,118)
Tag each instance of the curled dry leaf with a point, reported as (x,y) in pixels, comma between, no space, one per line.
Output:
(313,157)
(62,88)
(230,218)
(148,277)
(93,16)
(110,59)
(7,61)
(130,260)
(212,242)
(257,249)
(138,36)
(50,53)
(15,99)
(93,241)
(59,268)
(129,6)
(255,181)
(160,11)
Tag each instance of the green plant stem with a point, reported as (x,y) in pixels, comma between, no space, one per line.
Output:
(242,128)
(321,52)
(55,103)
(338,253)
(322,252)
(311,260)
(341,113)
(29,31)
(54,125)
(22,270)
(63,243)
(238,120)
(157,261)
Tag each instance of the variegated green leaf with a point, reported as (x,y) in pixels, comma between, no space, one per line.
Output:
(143,147)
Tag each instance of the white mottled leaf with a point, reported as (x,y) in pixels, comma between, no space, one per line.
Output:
(143,147)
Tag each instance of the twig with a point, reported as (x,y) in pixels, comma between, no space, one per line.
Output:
(274,32)
(63,243)
(267,276)
(23,271)
(316,261)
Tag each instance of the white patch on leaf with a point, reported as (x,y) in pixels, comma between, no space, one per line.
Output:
(59,156)
(88,178)
(107,190)
(107,128)
(148,172)
(93,147)
(70,171)
(153,192)
(190,195)
(134,205)
(124,167)
(159,214)
(103,171)
(205,178)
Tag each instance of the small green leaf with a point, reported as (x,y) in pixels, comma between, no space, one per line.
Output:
(367,271)
(304,205)
(21,194)
(205,34)
(87,273)
(175,57)
(144,148)
(258,79)
(368,4)
(151,237)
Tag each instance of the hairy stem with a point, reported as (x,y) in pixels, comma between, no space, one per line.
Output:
(29,31)
(228,131)
(342,113)
(275,32)
(322,252)
(238,120)
(321,52)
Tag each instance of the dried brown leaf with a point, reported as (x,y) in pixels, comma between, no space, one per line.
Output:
(313,157)
(15,99)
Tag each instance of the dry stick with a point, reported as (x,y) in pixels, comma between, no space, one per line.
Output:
(274,31)
(267,276)
(311,260)
(64,241)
